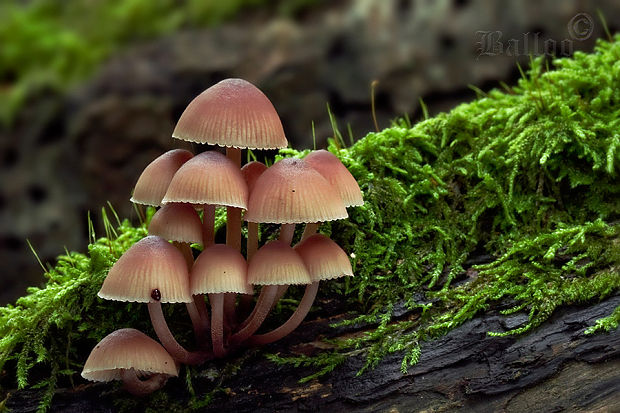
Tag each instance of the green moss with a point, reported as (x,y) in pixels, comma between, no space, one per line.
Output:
(527,177)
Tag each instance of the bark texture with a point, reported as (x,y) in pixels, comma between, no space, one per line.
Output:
(555,368)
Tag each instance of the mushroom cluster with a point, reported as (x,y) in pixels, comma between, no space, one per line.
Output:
(161,267)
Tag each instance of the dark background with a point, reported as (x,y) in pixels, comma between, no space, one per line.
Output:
(78,128)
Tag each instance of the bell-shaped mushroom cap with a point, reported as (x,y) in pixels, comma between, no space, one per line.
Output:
(150,264)
(338,175)
(277,263)
(208,178)
(126,349)
(220,269)
(232,113)
(291,191)
(154,180)
(251,172)
(177,222)
(323,258)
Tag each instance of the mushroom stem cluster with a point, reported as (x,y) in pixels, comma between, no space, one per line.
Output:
(161,269)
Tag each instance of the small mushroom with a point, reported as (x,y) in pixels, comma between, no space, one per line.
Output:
(130,355)
(328,165)
(219,269)
(273,265)
(324,260)
(153,182)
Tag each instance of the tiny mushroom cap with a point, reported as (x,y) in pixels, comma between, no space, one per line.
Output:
(277,263)
(338,175)
(151,270)
(251,172)
(127,349)
(208,178)
(291,191)
(177,222)
(220,269)
(232,113)
(156,177)
(324,259)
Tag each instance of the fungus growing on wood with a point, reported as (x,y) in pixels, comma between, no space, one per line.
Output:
(130,355)
(234,114)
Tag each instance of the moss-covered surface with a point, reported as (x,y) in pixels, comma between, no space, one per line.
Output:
(526,177)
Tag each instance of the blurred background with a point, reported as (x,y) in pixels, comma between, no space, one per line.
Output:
(90,90)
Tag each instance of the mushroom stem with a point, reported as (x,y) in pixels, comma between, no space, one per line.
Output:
(252,245)
(233,215)
(134,385)
(208,224)
(233,234)
(199,324)
(254,321)
(281,291)
(245,302)
(286,233)
(217,324)
(310,229)
(292,323)
(199,301)
(177,351)
(229,309)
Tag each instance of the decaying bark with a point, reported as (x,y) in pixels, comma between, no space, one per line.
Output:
(555,368)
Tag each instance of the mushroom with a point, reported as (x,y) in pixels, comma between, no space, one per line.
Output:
(130,355)
(153,271)
(328,165)
(208,179)
(274,264)
(219,269)
(181,224)
(324,260)
(153,182)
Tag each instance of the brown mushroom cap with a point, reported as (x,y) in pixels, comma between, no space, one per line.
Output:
(232,113)
(156,177)
(277,263)
(291,191)
(177,222)
(323,258)
(338,175)
(150,264)
(125,349)
(220,269)
(208,178)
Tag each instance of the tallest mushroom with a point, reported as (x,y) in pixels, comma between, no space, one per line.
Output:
(237,115)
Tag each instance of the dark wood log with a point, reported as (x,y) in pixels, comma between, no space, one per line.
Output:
(555,368)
